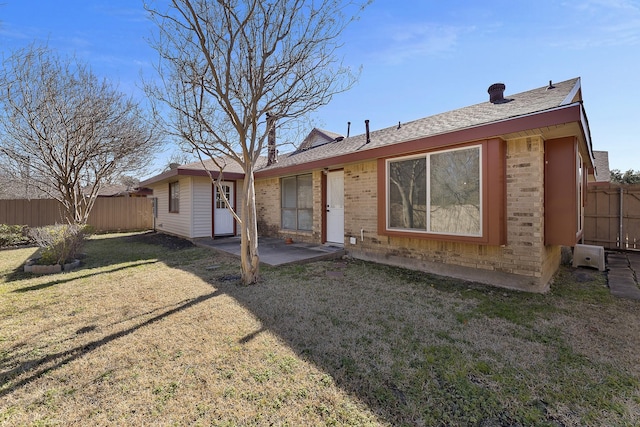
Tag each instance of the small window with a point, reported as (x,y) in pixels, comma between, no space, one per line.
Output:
(297,203)
(220,201)
(174,197)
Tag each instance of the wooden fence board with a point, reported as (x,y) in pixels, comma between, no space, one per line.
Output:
(605,223)
(108,214)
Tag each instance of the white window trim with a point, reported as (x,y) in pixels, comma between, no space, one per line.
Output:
(296,209)
(428,195)
(171,198)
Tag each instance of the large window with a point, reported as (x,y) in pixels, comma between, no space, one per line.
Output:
(174,197)
(297,202)
(437,192)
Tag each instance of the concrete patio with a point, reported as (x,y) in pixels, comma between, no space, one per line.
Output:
(275,251)
(622,267)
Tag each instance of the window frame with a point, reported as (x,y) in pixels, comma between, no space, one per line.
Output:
(297,211)
(174,197)
(428,223)
(492,195)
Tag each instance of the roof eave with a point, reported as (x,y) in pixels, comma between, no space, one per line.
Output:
(168,175)
(586,133)
(160,177)
(555,116)
(572,94)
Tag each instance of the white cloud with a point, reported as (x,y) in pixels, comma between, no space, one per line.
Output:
(602,23)
(407,42)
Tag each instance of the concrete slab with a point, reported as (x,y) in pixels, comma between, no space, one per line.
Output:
(274,251)
(622,276)
(634,261)
(630,292)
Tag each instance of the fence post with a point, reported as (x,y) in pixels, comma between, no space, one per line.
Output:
(621,218)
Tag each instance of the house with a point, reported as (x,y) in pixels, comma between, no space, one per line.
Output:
(489,192)
(121,190)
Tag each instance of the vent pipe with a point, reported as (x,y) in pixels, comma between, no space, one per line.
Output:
(366,125)
(348,128)
(496,93)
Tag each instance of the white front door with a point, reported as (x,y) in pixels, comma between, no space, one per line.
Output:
(222,217)
(335,207)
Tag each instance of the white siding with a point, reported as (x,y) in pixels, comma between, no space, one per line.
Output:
(202,207)
(175,223)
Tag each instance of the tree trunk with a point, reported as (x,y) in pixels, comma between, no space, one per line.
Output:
(249,258)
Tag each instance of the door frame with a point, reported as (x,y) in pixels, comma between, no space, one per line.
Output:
(213,207)
(325,189)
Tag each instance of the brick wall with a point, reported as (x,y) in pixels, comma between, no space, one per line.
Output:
(523,263)
(268,208)
(361,201)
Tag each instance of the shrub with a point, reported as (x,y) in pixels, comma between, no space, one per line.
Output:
(14,235)
(60,243)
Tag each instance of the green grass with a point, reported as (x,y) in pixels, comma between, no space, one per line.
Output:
(145,332)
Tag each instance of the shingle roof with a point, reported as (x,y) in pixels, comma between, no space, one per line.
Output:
(228,164)
(518,105)
(521,104)
(318,137)
(603,174)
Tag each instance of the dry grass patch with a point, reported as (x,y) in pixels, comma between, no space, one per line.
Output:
(153,331)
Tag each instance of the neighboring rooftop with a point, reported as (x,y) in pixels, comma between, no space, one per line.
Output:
(319,137)
(603,173)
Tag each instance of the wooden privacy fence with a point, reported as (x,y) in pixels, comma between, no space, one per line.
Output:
(108,214)
(612,216)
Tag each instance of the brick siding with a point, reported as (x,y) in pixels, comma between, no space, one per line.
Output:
(523,263)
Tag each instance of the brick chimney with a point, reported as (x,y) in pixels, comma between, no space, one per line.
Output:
(272,152)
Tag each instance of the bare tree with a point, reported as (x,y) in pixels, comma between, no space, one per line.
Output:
(69,131)
(408,178)
(179,158)
(225,65)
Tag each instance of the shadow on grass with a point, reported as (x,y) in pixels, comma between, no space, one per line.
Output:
(18,273)
(394,339)
(42,366)
(403,343)
(76,277)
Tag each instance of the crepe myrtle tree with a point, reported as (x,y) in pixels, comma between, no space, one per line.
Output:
(229,70)
(69,130)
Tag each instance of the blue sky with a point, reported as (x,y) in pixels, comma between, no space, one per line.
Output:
(418,58)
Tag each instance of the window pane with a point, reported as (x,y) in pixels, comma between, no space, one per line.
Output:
(289,192)
(305,192)
(305,219)
(297,202)
(407,194)
(289,219)
(455,192)
(220,203)
(174,196)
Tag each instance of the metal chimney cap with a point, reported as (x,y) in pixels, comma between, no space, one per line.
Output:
(496,93)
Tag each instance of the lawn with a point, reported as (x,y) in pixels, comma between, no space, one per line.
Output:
(153,331)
